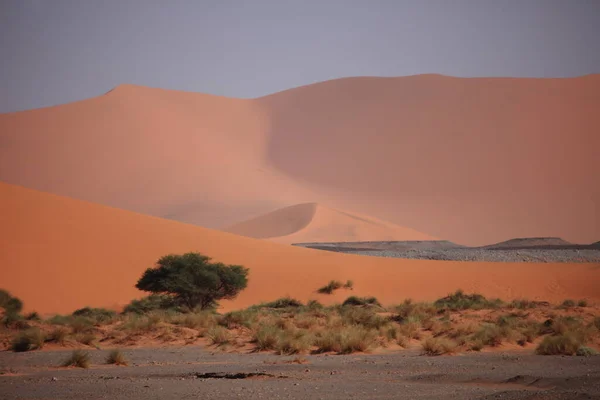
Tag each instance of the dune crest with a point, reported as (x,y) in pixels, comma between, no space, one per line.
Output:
(61,254)
(313,222)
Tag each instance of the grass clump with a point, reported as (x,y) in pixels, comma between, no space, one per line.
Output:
(293,342)
(582,303)
(31,339)
(115,357)
(79,359)
(345,340)
(58,335)
(96,315)
(86,338)
(218,335)
(349,285)
(562,344)
(460,301)
(364,317)
(239,319)
(330,287)
(361,301)
(265,337)
(438,346)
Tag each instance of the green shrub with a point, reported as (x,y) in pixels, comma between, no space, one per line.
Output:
(349,284)
(582,303)
(489,334)
(568,303)
(31,339)
(79,359)
(330,287)
(60,320)
(361,301)
(460,301)
(419,311)
(194,280)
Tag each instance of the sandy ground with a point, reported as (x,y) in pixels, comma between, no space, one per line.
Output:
(313,222)
(62,254)
(474,161)
(173,373)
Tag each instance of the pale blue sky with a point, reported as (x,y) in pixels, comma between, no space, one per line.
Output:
(56,51)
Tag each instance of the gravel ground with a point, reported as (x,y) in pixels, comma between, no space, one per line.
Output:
(448,251)
(172,373)
(544,256)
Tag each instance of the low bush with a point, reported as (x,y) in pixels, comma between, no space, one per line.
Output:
(284,302)
(31,339)
(361,301)
(460,301)
(330,287)
(265,337)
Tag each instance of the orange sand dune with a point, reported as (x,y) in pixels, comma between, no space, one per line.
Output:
(59,254)
(312,222)
(471,160)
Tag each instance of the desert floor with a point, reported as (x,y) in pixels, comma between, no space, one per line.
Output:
(155,372)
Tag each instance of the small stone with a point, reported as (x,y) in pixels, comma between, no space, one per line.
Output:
(54,378)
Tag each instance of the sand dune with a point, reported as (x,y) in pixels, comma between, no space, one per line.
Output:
(312,222)
(474,161)
(59,254)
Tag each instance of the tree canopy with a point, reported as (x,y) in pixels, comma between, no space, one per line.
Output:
(194,280)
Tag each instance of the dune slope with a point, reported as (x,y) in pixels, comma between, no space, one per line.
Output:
(312,222)
(474,161)
(59,254)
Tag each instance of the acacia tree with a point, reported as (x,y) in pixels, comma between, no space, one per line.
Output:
(194,280)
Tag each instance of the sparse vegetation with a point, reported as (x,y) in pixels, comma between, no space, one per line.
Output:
(286,326)
(79,359)
(568,303)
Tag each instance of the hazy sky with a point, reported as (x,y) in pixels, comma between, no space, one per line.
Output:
(56,51)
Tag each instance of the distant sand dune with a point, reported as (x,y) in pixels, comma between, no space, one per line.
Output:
(59,254)
(312,222)
(470,160)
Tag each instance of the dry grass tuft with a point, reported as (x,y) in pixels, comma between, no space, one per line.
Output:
(438,346)
(79,359)
(115,357)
